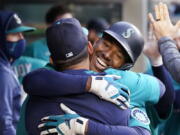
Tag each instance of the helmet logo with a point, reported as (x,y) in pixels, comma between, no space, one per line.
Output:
(18,20)
(128,33)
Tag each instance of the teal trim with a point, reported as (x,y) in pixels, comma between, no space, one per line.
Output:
(21,29)
(21,128)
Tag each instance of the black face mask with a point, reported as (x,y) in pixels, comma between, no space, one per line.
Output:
(15,49)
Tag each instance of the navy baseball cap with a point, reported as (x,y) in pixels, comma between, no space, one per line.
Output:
(12,23)
(66,40)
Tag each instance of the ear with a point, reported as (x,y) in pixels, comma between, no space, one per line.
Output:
(51,60)
(90,48)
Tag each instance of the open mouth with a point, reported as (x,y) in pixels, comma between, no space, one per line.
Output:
(100,64)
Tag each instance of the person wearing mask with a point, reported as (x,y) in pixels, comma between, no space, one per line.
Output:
(12,45)
(37,54)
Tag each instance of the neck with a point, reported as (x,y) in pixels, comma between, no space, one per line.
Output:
(82,65)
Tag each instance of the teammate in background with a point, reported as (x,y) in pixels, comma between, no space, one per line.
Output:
(165,32)
(37,54)
(12,45)
(96,27)
(108,52)
(172,125)
(152,51)
(38,49)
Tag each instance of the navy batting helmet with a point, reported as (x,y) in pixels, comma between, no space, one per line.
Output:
(130,38)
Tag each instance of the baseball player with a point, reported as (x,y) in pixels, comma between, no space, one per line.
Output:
(137,76)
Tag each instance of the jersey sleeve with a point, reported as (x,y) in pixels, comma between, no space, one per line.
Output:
(45,82)
(143,88)
(95,128)
(153,88)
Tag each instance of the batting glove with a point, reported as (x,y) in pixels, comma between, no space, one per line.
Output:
(108,89)
(69,124)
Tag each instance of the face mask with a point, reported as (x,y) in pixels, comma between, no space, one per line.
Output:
(15,49)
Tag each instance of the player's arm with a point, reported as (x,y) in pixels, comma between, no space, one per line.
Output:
(164,105)
(72,123)
(44,82)
(95,128)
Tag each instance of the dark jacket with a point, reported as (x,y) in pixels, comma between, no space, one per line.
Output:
(171,56)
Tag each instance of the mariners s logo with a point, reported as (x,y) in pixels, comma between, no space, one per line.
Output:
(128,33)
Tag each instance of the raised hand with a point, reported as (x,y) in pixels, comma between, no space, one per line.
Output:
(151,50)
(162,25)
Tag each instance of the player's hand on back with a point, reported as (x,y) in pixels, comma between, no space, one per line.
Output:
(110,90)
(68,124)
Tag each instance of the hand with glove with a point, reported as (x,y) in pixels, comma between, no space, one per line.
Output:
(68,124)
(108,89)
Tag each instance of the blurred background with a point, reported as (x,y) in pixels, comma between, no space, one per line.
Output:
(135,11)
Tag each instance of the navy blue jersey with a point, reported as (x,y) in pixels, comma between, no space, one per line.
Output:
(86,104)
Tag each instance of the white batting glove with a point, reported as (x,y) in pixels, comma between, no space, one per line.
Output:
(69,124)
(108,89)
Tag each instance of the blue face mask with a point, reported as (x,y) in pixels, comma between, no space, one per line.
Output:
(15,49)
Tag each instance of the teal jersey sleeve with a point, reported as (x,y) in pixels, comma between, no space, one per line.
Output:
(25,64)
(21,128)
(139,118)
(38,49)
(144,88)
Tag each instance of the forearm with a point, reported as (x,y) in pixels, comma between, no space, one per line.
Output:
(45,82)
(95,128)
(171,56)
(165,103)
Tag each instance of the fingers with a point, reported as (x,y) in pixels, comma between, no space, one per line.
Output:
(48,124)
(115,77)
(124,89)
(66,109)
(49,131)
(54,118)
(157,12)
(151,18)
(123,104)
(166,12)
(161,11)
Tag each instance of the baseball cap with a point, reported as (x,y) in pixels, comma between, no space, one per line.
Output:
(13,23)
(66,40)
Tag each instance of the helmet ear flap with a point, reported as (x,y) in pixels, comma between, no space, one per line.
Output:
(126,66)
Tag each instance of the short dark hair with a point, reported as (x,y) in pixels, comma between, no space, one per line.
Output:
(97,24)
(56,11)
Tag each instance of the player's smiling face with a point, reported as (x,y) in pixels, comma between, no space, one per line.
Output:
(106,54)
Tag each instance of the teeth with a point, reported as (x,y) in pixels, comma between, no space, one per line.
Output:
(101,62)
